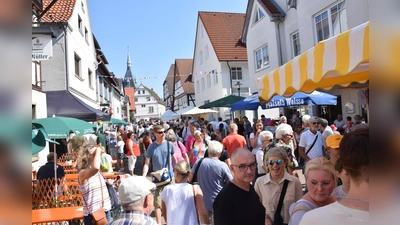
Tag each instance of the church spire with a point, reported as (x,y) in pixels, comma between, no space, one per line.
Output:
(129,79)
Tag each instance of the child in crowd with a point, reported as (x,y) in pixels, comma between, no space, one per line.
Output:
(341,191)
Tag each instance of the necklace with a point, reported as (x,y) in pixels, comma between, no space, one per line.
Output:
(358,199)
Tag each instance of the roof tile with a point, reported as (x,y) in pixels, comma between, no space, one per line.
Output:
(225,30)
(61,11)
(184,68)
(272,7)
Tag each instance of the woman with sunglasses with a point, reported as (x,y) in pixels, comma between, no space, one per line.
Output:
(321,179)
(199,147)
(269,187)
(284,136)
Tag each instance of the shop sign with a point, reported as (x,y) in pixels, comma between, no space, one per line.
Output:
(42,47)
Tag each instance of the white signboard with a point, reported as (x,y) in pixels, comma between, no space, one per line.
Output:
(42,47)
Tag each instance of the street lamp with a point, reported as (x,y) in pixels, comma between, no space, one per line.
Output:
(238,84)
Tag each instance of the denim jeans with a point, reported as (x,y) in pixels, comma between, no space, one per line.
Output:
(88,220)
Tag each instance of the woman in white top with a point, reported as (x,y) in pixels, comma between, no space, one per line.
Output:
(178,203)
(120,151)
(254,136)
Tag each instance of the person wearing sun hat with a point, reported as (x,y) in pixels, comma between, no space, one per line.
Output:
(332,146)
(136,195)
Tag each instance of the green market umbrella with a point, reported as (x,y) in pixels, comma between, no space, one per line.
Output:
(118,121)
(222,102)
(59,127)
(39,140)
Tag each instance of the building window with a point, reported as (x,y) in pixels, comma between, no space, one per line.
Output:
(331,22)
(203,86)
(206,52)
(296,44)
(216,77)
(151,109)
(208,80)
(80,24)
(86,36)
(201,57)
(90,78)
(143,106)
(262,58)
(105,92)
(258,15)
(148,99)
(82,7)
(136,99)
(236,73)
(77,65)
(197,86)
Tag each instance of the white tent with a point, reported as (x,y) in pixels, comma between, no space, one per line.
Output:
(179,112)
(196,111)
(169,115)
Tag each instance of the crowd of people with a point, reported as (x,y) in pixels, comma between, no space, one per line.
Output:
(234,173)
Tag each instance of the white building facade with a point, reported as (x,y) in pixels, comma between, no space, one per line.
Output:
(148,104)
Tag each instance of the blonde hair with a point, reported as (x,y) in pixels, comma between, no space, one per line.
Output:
(119,138)
(77,142)
(83,157)
(182,167)
(320,163)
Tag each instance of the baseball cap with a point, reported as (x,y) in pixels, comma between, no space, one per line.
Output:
(192,121)
(313,119)
(333,127)
(333,141)
(134,188)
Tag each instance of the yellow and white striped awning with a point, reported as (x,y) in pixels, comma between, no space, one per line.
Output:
(339,60)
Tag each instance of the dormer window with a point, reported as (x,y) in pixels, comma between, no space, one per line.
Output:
(259,15)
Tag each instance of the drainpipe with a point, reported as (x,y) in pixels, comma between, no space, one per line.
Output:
(230,81)
(279,44)
(66,56)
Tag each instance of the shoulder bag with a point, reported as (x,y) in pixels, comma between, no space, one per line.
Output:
(162,177)
(194,179)
(99,216)
(315,140)
(115,202)
(278,220)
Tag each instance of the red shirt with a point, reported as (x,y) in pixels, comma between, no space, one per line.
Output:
(135,148)
(232,142)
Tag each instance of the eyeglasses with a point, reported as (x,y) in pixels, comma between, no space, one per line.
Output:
(160,132)
(243,168)
(271,162)
(289,135)
(270,140)
(314,123)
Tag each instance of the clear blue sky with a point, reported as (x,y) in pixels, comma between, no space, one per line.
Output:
(157,33)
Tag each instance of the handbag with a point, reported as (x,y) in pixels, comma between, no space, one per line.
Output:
(115,203)
(99,216)
(162,177)
(278,220)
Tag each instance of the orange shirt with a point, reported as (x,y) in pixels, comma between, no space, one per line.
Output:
(232,142)
(135,148)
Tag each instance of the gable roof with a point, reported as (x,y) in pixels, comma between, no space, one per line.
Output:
(61,11)
(153,94)
(225,31)
(170,79)
(184,68)
(273,10)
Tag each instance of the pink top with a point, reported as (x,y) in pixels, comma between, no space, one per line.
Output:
(180,150)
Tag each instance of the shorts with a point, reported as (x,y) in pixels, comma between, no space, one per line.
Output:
(113,153)
(131,162)
(120,155)
(157,194)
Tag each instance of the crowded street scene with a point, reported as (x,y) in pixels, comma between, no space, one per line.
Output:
(263,121)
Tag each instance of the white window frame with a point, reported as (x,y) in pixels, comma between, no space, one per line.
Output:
(151,109)
(78,65)
(203,86)
(215,77)
(206,52)
(261,52)
(208,80)
(326,15)
(295,40)
(197,86)
(236,73)
(201,57)
(80,24)
(257,15)
(90,78)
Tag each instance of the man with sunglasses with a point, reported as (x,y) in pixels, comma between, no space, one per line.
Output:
(311,141)
(157,152)
(238,202)
(136,195)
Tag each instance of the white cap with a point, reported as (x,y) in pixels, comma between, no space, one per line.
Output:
(134,188)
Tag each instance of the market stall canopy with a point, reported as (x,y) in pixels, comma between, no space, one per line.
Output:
(298,99)
(63,103)
(59,127)
(169,115)
(196,111)
(179,112)
(340,60)
(222,102)
(118,121)
(39,140)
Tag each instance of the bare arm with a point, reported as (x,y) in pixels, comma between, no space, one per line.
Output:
(303,153)
(94,159)
(201,207)
(228,162)
(190,177)
(164,210)
(146,167)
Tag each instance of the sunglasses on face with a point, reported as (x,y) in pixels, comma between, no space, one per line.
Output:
(160,132)
(314,123)
(271,162)
(289,135)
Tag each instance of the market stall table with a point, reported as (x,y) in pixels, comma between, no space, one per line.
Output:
(57,214)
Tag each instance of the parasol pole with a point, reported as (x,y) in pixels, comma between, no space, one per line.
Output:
(55,170)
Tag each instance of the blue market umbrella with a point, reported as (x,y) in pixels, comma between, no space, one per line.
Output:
(298,99)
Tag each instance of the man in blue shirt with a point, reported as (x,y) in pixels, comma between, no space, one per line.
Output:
(47,172)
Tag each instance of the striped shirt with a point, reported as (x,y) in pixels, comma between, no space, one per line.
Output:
(91,192)
(133,217)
